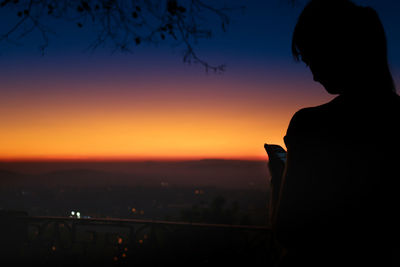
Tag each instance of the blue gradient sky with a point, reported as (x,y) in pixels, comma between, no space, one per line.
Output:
(75,104)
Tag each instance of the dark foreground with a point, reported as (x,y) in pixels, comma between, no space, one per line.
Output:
(65,241)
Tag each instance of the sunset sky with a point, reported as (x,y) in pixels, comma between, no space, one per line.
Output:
(72,104)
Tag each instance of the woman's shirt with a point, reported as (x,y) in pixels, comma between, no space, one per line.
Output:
(342,173)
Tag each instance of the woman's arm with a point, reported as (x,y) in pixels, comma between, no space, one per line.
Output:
(293,205)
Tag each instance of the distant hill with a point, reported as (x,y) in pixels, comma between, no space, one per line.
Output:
(8,178)
(210,172)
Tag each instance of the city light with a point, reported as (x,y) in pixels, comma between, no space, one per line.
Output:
(76,214)
(198,192)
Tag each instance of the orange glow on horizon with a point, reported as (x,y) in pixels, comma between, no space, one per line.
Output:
(71,158)
(131,122)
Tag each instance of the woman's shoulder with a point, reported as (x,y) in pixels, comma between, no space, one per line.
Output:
(343,115)
(308,123)
(312,116)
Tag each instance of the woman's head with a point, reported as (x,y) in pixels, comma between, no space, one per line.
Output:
(344,45)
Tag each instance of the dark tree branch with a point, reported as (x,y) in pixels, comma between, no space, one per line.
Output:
(125,24)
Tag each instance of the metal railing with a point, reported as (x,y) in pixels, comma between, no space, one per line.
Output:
(65,240)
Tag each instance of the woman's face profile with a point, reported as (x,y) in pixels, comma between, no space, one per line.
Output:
(344,45)
(326,72)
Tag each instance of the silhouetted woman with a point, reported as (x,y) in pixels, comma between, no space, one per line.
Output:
(339,198)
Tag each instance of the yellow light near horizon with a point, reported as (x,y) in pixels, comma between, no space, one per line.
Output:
(127,124)
(169,135)
(169,145)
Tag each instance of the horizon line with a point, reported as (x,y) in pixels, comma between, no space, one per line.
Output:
(124,159)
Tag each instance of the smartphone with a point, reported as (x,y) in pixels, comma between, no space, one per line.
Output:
(276,165)
(275,152)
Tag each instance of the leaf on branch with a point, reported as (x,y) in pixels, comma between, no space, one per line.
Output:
(2,4)
(137,40)
(85,5)
(50,9)
(171,32)
(172,6)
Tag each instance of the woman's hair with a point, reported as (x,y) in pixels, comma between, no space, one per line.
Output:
(347,32)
